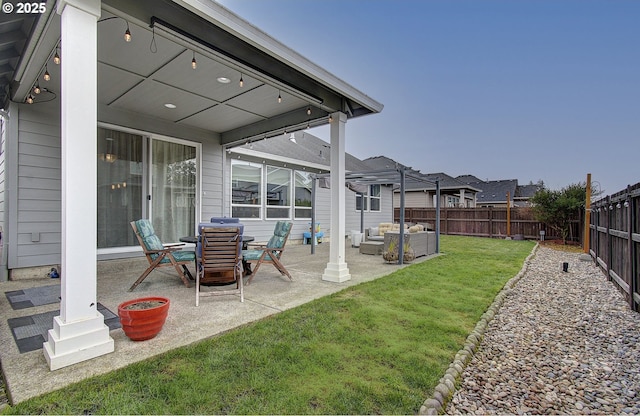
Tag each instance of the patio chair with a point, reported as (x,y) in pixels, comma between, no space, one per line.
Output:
(161,255)
(221,253)
(272,252)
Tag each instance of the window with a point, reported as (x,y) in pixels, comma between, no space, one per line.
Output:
(371,199)
(453,201)
(302,194)
(246,190)
(278,192)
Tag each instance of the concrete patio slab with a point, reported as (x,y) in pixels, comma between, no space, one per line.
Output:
(27,375)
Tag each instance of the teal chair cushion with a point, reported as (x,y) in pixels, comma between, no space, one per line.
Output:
(249,255)
(178,255)
(148,235)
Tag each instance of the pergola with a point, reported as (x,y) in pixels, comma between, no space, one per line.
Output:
(396,176)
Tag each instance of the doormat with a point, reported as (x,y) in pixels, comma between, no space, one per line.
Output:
(30,332)
(33,296)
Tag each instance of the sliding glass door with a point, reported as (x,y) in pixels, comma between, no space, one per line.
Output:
(173,189)
(144,177)
(120,186)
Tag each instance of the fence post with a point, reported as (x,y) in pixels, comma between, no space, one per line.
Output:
(609,242)
(631,262)
(587,216)
(490,222)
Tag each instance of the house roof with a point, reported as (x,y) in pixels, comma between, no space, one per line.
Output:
(526,191)
(495,191)
(307,150)
(139,77)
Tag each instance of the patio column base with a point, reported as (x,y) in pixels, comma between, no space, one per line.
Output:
(71,343)
(336,272)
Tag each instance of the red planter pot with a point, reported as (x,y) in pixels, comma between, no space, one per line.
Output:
(146,322)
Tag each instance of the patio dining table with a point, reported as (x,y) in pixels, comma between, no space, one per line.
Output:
(246,239)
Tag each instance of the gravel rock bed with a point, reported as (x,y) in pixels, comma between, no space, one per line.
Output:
(560,343)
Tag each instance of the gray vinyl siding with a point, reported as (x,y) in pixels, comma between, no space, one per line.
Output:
(37,217)
(371,218)
(3,212)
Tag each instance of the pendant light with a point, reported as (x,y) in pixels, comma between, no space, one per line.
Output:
(56,57)
(241,81)
(194,64)
(127,34)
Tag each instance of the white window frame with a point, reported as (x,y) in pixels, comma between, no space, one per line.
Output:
(367,197)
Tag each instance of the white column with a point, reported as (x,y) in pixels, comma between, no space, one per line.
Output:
(79,333)
(462,201)
(337,270)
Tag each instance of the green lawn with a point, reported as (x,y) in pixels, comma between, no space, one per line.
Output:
(379,347)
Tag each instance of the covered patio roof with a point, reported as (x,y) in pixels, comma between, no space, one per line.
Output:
(155,69)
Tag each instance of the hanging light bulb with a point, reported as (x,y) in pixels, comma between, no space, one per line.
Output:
(194,65)
(279,98)
(241,81)
(36,89)
(309,110)
(56,57)
(29,99)
(127,34)
(46,76)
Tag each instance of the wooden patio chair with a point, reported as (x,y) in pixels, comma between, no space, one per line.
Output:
(221,252)
(161,255)
(271,252)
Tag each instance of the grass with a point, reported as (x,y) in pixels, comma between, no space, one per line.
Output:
(378,347)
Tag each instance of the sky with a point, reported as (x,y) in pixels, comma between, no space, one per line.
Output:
(529,90)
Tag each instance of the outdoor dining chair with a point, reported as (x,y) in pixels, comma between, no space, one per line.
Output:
(221,252)
(161,255)
(271,252)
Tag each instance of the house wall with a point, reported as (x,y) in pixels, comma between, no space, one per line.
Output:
(32,213)
(371,218)
(414,199)
(34,219)
(4,126)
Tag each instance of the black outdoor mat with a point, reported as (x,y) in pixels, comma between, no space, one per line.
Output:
(30,332)
(34,296)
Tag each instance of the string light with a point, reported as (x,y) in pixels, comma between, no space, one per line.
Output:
(36,89)
(127,34)
(279,97)
(30,99)
(56,57)
(241,81)
(46,76)
(194,65)
(309,110)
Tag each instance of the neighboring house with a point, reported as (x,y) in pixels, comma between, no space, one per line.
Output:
(133,122)
(291,162)
(494,193)
(420,188)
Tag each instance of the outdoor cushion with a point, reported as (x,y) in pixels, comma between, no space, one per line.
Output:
(249,255)
(178,256)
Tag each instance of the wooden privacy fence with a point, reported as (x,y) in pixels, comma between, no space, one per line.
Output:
(488,222)
(615,240)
